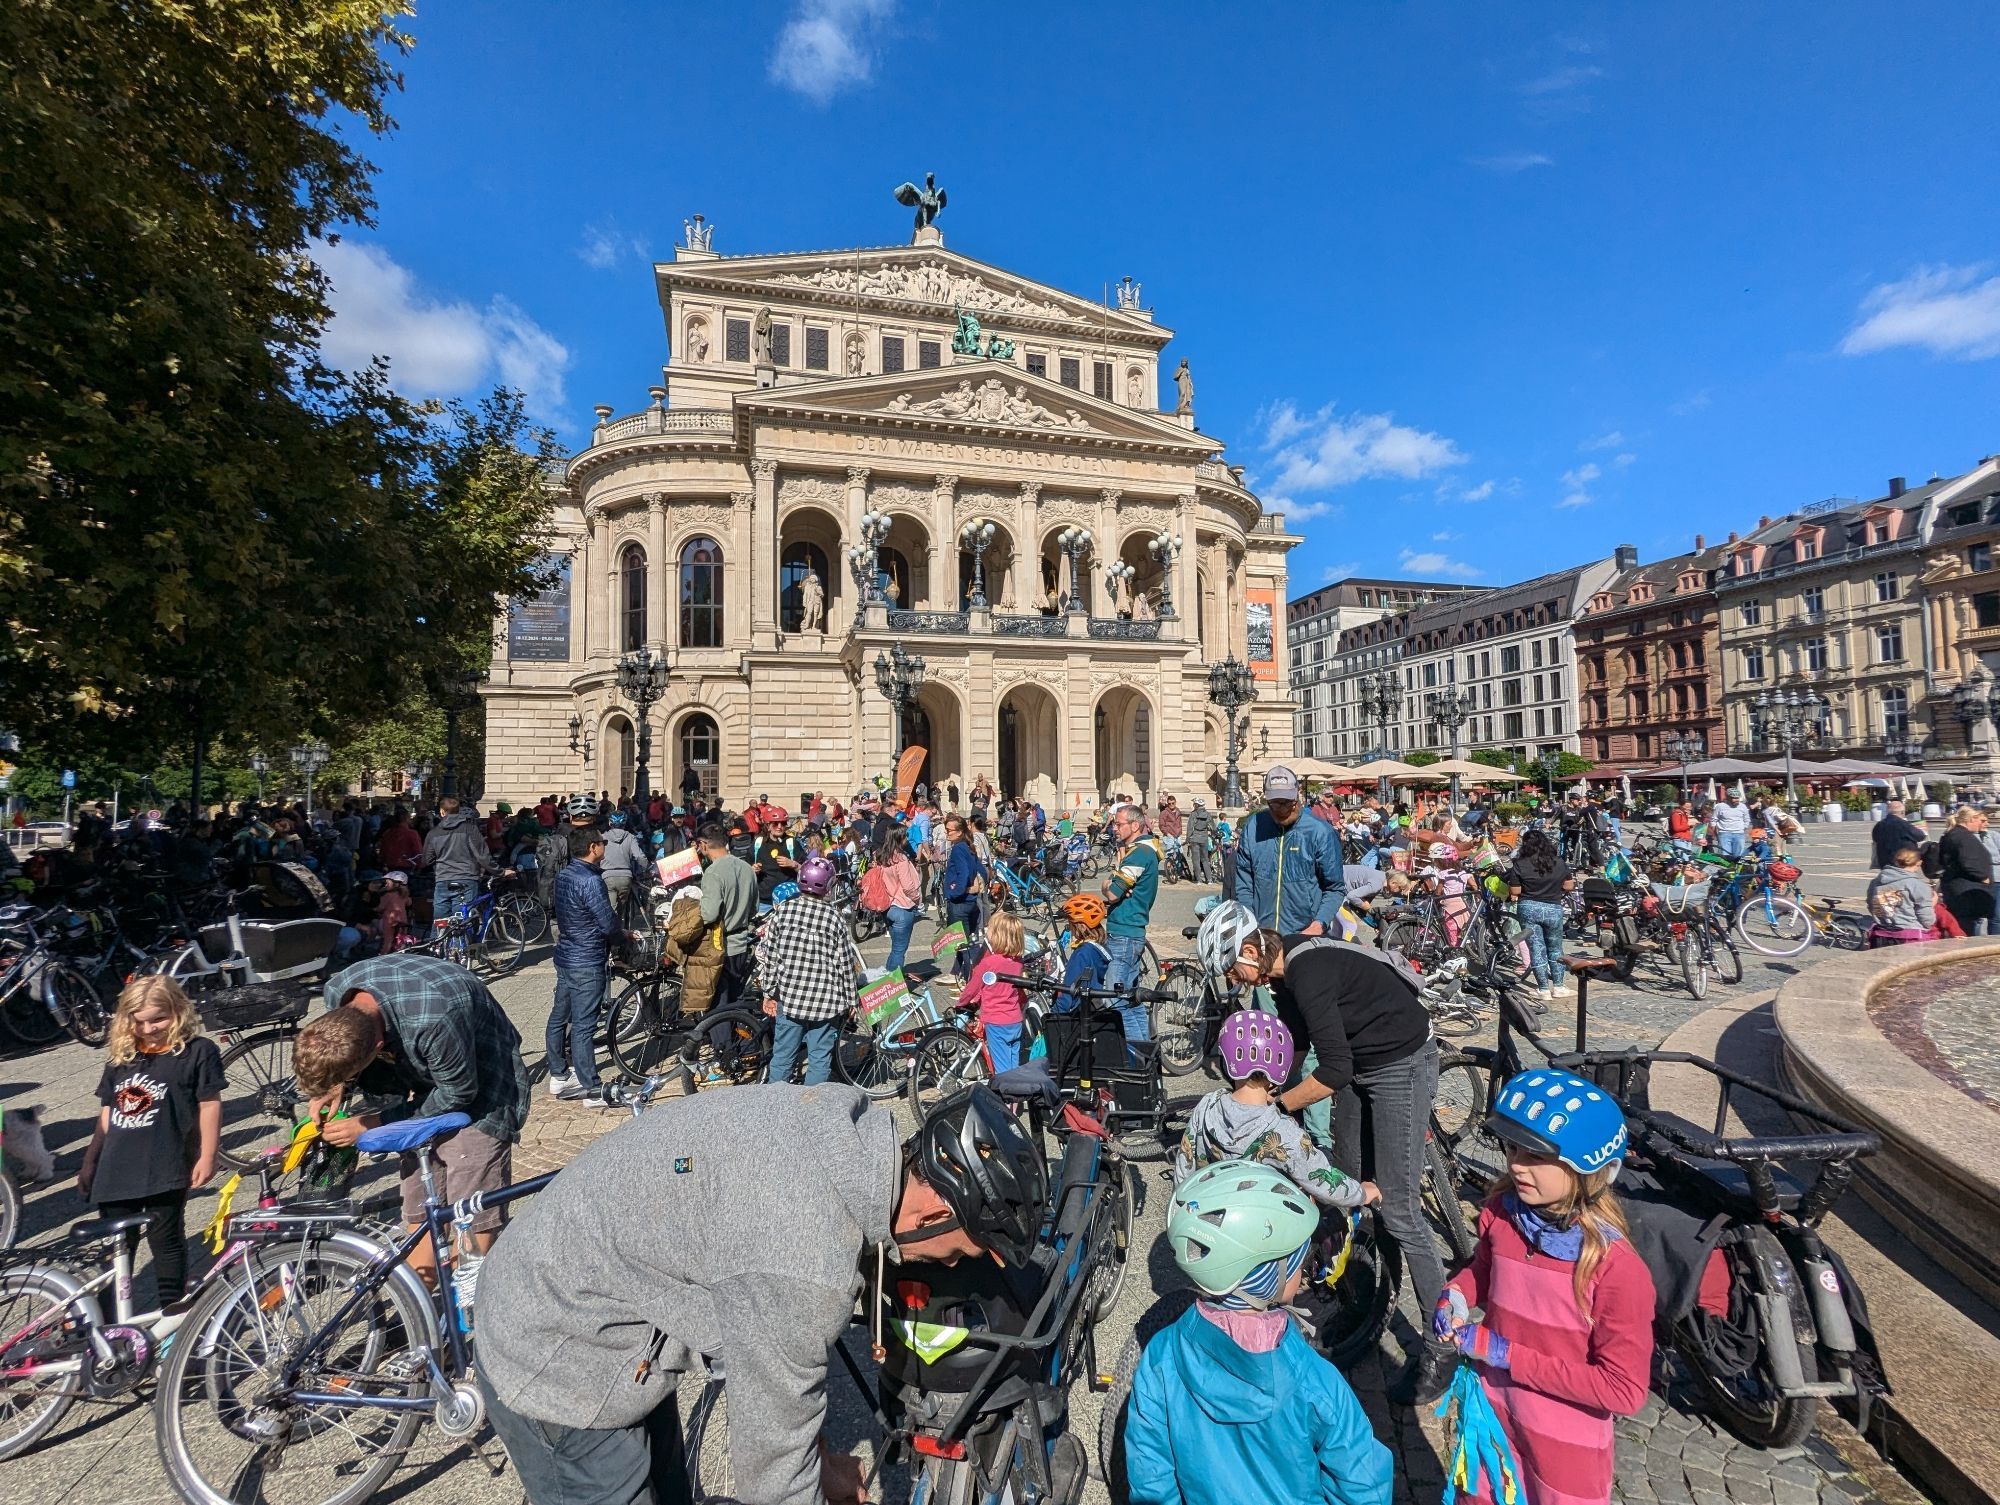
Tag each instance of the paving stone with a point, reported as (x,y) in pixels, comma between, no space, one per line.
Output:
(1710,1497)
(1785,1492)
(1661,1465)
(1671,1489)
(1701,1479)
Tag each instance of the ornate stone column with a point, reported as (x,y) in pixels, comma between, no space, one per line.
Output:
(764,553)
(660,572)
(1187,604)
(1027,564)
(596,623)
(739,607)
(944,547)
(614,615)
(1105,535)
(857,504)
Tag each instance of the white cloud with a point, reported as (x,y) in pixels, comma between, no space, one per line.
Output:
(1513,161)
(605,245)
(824,47)
(1603,441)
(1436,564)
(1623,460)
(1301,512)
(1331,449)
(1694,402)
(1339,571)
(435,347)
(1566,80)
(1576,486)
(1478,493)
(1946,310)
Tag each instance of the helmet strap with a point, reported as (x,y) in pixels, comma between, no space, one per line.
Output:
(927,1231)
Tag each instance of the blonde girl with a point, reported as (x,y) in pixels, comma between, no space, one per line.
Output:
(999,1001)
(1565,1342)
(159,1123)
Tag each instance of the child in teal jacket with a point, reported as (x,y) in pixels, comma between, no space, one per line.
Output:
(1230,1403)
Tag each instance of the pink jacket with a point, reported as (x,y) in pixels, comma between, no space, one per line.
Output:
(998,1002)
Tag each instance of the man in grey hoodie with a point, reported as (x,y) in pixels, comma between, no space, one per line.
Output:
(730,1225)
(457,856)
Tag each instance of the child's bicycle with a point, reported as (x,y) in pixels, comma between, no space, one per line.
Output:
(476,938)
(321,1354)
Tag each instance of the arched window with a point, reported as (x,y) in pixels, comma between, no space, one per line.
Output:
(700,750)
(894,579)
(800,558)
(701,594)
(632,572)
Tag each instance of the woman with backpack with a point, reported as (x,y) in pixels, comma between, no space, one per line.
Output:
(893,889)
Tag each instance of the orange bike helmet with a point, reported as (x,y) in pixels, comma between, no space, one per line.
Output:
(1085,910)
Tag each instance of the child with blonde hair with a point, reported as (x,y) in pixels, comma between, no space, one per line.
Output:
(160,1123)
(999,1001)
(1565,1342)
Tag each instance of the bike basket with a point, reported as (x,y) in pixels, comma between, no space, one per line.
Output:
(246,1008)
(1681,898)
(1785,872)
(644,954)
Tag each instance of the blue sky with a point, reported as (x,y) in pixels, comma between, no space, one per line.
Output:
(1473,290)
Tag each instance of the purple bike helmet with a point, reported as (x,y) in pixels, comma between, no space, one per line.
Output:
(1253,1043)
(815,876)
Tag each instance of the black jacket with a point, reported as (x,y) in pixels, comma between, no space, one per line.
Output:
(1892,833)
(1353,1007)
(1965,864)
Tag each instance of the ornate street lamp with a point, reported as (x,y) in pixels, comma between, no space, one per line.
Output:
(1684,748)
(1790,719)
(579,739)
(1379,701)
(1165,548)
(1075,544)
(461,693)
(1231,686)
(417,776)
(1116,575)
(260,765)
(1448,711)
(899,676)
(1550,763)
(978,537)
(642,679)
(309,757)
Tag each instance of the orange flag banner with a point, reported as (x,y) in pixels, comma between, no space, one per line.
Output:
(907,767)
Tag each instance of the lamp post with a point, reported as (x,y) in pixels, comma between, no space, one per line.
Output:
(579,739)
(1791,719)
(461,691)
(260,765)
(1165,548)
(1974,701)
(1550,763)
(899,676)
(978,537)
(642,679)
(417,776)
(1075,544)
(1448,711)
(1684,748)
(1231,686)
(1381,697)
(1116,575)
(309,758)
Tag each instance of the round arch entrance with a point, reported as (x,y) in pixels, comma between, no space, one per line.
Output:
(809,540)
(1122,726)
(1030,743)
(934,722)
(697,746)
(619,756)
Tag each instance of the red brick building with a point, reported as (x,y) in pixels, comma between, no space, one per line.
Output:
(1649,662)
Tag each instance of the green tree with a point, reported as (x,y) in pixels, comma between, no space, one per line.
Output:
(1423,759)
(199,520)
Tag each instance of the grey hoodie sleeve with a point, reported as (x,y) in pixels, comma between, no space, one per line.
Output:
(776,1362)
(1307,1164)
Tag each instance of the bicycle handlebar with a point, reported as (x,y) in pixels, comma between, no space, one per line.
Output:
(1133,994)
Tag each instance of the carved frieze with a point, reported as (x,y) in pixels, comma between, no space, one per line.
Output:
(991,402)
(797,490)
(924,282)
(900,496)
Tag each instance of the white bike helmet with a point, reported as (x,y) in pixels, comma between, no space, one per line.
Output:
(583,807)
(1224,934)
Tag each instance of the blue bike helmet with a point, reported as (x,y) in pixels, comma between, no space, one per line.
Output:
(1556,1113)
(617,817)
(784,891)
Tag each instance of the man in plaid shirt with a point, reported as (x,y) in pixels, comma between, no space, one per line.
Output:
(807,965)
(417,1036)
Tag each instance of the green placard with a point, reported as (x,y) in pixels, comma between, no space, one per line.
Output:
(880,1001)
(949,942)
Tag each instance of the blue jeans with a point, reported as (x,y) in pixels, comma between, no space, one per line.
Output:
(816,1037)
(1544,924)
(963,911)
(572,1032)
(1003,1043)
(450,893)
(1732,843)
(1128,954)
(901,923)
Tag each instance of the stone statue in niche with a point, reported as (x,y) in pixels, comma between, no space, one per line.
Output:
(697,340)
(1135,387)
(760,338)
(812,603)
(1184,381)
(857,354)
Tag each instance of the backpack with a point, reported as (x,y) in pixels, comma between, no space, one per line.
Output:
(874,892)
(1933,860)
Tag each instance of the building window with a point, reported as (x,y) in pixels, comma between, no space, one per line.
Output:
(1538,653)
(632,574)
(1889,644)
(1965,514)
(1556,720)
(781,344)
(1816,655)
(1100,380)
(1753,613)
(1538,682)
(1430,676)
(1510,725)
(1979,557)
(701,750)
(1510,692)
(1038,364)
(817,343)
(930,354)
(701,594)
(1753,663)
(1812,600)
(1555,684)
(892,354)
(1510,660)
(1072,372)
(1986,609)
(1886,586)
(1541,723)
(1895,713)
(736,339)
(1485,663)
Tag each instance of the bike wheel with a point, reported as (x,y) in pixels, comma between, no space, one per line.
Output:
(261,1101)
(10,1209)
(1351,1312)
(1746,1405)
(1117,1260)
(860,1061)
(1179,1024)
(218,1436)
(1111,1417)
(727,1048)
(521,917)
(499,955)
(1723,955)
(1846,932)
(37,1392)
(72,998)
(27,1018)
(1441,1190)
(645,1028)
(1774,925)
(944,1061)
(1458,1122)
(1694,964)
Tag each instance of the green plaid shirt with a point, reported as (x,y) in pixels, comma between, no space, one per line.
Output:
(450,1047)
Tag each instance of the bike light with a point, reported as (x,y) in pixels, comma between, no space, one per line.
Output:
(930,1447)
(915,1294)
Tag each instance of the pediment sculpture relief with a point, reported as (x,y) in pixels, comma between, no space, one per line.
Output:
(991,402)
(924,282)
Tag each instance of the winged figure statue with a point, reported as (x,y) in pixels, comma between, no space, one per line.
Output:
(928,200)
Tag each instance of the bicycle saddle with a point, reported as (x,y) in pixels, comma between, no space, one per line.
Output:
(388,1139)
(1578,966)
(104,1228)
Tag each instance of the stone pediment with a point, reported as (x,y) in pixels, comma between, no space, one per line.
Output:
(979,395)
(899,278)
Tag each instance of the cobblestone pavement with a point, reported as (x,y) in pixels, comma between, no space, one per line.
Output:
(104,1452)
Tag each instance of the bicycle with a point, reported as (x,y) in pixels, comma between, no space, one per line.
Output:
(41,994)
(323,1353)
(1835,926)
(1767,920)
(1188,1011)
(473,938)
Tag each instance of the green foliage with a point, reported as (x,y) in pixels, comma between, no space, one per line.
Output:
(1423,759)
(1492,757)
(1510,811)
(197,516)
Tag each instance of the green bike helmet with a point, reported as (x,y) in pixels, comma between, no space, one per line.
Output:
(1233,1217)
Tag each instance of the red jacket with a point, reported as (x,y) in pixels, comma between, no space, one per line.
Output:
(1567,1375)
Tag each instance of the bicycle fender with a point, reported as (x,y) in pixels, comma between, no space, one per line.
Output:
(86,1307)
(403,1277)
(1782,1313)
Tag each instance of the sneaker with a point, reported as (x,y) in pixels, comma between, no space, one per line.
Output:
(558,1085)
(1563,990)
(591,1096)
(1542,994)
(1427,1376)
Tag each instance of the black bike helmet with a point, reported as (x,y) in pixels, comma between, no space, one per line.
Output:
(974,1154)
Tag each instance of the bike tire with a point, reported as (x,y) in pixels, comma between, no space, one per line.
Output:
(742,1058)
(74,998)
(1458,1121)
(1761,1420)
(702,1417)
(28,1411)
(1694,965)
(1350,1316)
(646,1032)
(1723,954)
(496,954)
(1111,1418)
(1774,925)
(945,1060)
(860,1061)
(1178,1024)
(10,1209)
(522,917)
(1847,932)
(261,1101)
(227,1338)
(1441,1186)
(27,1018)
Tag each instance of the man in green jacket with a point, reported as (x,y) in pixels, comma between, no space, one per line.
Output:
(728,899)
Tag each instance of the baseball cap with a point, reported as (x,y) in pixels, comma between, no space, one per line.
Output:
(1280,783)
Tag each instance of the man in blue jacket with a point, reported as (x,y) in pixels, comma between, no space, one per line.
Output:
(586,929)
(1290,871)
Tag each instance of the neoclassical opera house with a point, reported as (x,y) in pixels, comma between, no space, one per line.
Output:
(899,445)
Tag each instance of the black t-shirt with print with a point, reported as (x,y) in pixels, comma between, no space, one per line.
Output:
(155,1120)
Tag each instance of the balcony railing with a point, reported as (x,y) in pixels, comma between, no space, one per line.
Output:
(1030,627)
(930,621)
(1133,631)
(664,421)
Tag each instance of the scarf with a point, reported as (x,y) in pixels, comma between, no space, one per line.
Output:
(1542,1235)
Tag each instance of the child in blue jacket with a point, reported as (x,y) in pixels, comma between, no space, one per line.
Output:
(1230,1403)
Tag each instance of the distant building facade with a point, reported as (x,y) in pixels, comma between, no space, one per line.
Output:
(1649,658)
(1313,625)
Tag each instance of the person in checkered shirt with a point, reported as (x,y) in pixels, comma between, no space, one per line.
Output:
(807,963)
